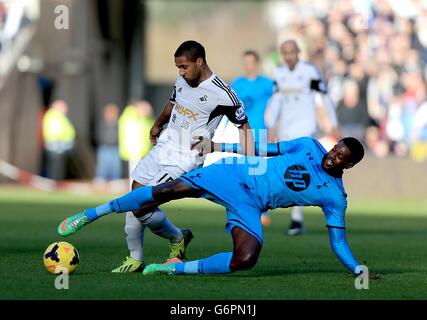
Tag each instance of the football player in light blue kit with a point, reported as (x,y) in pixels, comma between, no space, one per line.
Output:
(254,90)
(298,172)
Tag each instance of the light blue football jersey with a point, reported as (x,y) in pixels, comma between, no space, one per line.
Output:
(296,178)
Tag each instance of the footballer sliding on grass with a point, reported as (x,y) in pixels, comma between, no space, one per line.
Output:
(297,173)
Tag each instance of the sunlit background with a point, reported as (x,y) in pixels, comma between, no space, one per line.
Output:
(91,53)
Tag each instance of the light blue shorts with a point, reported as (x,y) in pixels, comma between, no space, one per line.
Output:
(227,185)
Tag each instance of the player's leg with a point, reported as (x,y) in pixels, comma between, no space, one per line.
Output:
(156,220)
(296,226)
(134,238)
(246,250)
(159,224)
(141,171)
(134,200)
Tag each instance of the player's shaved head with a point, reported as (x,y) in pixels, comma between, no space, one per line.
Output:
(290,51)
(192,50)
(290,44)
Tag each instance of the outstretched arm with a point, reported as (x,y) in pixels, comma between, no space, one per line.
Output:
(341,249)
(205,146)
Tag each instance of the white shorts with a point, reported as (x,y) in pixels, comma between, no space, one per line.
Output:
(149,171)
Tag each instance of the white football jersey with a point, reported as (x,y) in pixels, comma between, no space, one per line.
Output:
(197,112)
(292,109)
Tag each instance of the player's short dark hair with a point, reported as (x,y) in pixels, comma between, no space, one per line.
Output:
(252,53)
(356,149)
(192,50)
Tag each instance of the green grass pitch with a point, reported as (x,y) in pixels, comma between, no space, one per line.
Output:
(389,237)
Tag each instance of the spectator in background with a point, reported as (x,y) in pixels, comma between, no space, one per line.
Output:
(2,19)
(352,112)
(418,135)
(382,46)
(58,135)
(254,90)
(134,131)
(109,166)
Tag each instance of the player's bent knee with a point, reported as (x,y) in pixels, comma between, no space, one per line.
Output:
(145,217)
(243,261)
(173,190)
(143,213)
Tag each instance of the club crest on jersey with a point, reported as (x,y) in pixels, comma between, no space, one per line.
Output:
(240,113)
(203,99)
(180,89)
(186,112)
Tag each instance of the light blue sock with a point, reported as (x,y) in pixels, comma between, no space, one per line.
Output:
(129,202)
(94,213)
(216,264)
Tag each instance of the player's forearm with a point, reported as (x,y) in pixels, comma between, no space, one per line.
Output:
(263,150)
(247,142)
(271,135)
(164,117)
(342,250)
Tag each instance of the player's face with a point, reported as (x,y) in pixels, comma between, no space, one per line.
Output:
(337,158)
(189,70)
(290,53)
(250,64)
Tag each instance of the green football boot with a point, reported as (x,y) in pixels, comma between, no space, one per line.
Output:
(156,269)
(130,265)
(70,225)
(177,250)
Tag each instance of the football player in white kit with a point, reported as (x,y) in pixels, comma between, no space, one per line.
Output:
(199,101)
(292,111)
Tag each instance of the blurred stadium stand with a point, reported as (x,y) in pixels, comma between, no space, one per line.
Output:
(98,60)
(118,50)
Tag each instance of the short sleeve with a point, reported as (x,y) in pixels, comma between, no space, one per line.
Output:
(232,107)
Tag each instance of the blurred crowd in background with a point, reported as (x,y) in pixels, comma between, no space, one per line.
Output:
(373,55)
(375,64)
(119,137)
(12,19)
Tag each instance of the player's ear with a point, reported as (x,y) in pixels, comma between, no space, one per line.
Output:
(199,61)
(349,165)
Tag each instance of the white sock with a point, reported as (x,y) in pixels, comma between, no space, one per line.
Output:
(297,215)
(134,231)
(161,226)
